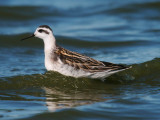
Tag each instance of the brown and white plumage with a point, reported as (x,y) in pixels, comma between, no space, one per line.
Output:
(72,63)
(79,61)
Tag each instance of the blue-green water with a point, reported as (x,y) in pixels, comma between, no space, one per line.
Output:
(124,32)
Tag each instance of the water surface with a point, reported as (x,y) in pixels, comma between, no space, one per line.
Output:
(125,32)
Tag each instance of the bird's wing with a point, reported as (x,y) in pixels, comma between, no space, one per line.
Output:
(85,63)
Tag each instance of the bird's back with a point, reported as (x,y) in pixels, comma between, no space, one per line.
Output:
(85,63)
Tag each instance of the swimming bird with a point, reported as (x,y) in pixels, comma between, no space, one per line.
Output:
(71,63)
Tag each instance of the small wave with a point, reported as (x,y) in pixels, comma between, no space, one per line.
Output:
(31,12)
(133,8)
(146,73)
(35,12)
(14,41)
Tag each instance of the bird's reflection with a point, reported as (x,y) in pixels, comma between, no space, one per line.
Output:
(57,99)
(66,92)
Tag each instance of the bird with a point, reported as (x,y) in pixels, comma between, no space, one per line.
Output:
(71,63)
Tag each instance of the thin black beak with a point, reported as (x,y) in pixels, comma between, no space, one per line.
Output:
(28,37)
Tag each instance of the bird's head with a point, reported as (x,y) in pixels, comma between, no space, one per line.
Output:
(42,32)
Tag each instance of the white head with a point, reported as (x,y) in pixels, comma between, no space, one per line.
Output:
(45,32)
(42,32)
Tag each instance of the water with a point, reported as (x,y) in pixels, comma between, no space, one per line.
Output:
(124,32)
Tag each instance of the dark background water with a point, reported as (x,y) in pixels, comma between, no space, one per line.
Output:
(115,31)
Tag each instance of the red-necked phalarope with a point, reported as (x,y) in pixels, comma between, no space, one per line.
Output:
(71,63)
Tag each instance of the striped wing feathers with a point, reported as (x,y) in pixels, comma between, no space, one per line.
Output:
(83,62)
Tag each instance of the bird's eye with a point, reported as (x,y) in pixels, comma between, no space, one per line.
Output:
(40,30)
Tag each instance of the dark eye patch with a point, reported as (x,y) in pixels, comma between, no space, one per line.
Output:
(41,30)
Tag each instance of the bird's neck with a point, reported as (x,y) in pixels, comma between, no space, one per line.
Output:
(49,44)
(49,47)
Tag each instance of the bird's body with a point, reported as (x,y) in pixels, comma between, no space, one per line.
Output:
(71,63)
(76,65)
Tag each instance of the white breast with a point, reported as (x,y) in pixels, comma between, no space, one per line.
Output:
(62,68)
(49,64)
